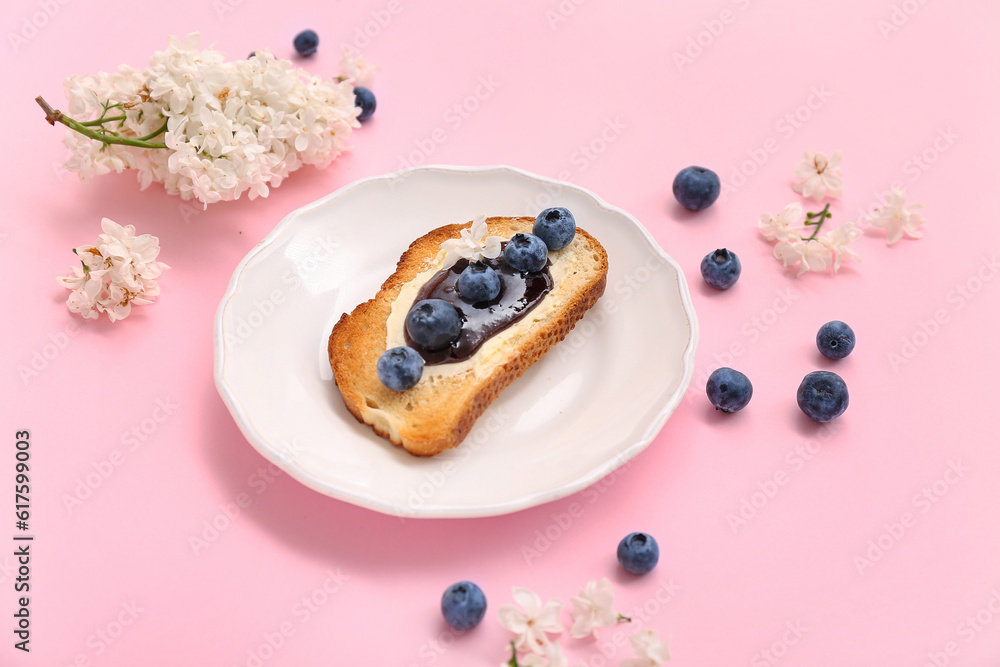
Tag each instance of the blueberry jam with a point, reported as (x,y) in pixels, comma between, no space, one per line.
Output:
(519,293)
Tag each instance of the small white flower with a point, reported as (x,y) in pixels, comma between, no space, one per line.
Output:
(86,290)
(821,177)
(816,258)
(839,243)
(809,255)
(780,226)
(473,244)
(357,69)
(592,609)
(84,304)
(897,218)
(651,652)
(117,272)
(532,621)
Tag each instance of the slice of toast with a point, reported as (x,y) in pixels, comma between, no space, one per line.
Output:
(439,411)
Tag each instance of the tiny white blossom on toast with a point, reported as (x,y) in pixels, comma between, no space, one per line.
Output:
(820,176)
(897,218)
(119,271)
(473,244)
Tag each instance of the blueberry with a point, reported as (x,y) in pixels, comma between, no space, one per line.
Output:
(638,553)
(479,282)
(526,253)
(835,340)
(729,390)
(721,269)
(252,54)
(306,42)
(823,396)
(463,605)
(364,99)
(400,368)
(555,226)
(696,188)
(433,324)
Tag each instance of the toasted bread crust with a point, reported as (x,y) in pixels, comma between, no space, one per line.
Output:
(437,415)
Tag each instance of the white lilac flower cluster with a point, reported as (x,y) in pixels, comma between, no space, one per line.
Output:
(207,128)
(819,178)
(114,274)
(532,623)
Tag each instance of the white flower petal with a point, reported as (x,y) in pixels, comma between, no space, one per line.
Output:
(528,600)
(835,185)
(895,233)
(512,619)
(804,170)
(811,188)
(791,214)
(478,228)
(493,247)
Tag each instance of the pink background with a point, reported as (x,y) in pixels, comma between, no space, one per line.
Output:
(562,76)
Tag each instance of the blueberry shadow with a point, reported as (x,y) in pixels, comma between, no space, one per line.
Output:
(709,292)
(682,214)
(622,578)
(804,425)
(719,419)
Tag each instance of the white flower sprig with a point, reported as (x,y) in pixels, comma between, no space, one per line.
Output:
(821,176)
(532,623)
(897,218)
(813,252)
(206,128)
(118,271)
(473,244)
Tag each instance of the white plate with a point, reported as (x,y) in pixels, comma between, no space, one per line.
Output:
(591,404)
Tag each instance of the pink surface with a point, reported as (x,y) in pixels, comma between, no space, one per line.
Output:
(594,93)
